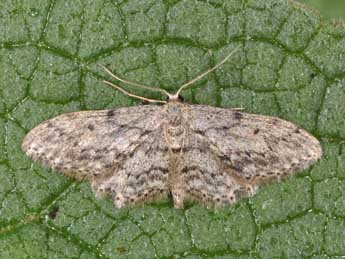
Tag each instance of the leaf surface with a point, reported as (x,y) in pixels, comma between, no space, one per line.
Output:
(291,64)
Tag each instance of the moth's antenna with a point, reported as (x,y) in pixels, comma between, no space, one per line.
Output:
(205,73)
(136,84)
(133,95)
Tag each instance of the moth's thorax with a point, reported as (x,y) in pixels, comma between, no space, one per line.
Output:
(174,112)
(175,128)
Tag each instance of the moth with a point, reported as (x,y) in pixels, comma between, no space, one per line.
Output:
(192,152)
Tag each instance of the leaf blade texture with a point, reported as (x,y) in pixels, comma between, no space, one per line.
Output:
(292,68)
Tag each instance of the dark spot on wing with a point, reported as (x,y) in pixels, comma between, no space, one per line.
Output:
(48,138)
(273,159)
(237,167)
(256,131)
(91,127)
(110,113)
(108,165)
(98,157)
(225,127)
(50,125)
(84,157)
(238,115)
(275,121)
(261,162)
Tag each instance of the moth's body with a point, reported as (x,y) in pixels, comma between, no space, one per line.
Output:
(198,153)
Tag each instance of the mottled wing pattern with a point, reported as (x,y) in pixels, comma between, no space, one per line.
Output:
(143,175)
(253,147)
(102,146)
(205,178)
(140,154)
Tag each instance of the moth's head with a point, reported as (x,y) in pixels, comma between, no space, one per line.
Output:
(175,98)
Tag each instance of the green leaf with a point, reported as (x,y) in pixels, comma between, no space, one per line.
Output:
(331,9)
(291,64)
